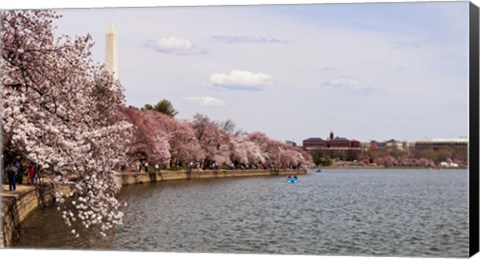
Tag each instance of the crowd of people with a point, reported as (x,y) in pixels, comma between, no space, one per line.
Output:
(142,165)
(14,173)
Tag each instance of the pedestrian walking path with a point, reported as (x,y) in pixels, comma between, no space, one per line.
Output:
(20,188)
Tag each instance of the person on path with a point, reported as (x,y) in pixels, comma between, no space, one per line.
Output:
(36,174)
(146,167)
(12,177)
(31,173)
(19,167)
(139,165)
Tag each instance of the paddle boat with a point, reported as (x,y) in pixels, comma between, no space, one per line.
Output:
(292,179)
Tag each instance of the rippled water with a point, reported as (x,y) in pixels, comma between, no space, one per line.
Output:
(337,212)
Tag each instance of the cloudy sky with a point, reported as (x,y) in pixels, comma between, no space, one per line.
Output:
(364,71)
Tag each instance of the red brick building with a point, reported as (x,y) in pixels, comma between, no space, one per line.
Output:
(331,143)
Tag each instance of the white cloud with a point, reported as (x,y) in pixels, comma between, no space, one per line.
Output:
(205,100)
(242,80)
(349,84)
(174,45)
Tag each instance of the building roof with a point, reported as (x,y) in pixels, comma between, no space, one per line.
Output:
(313,139)
(444,140)
(339,139)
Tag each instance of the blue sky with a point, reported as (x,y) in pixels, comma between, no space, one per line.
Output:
(365,71)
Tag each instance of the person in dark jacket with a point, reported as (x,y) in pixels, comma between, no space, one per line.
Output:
(12,177)
(19,167)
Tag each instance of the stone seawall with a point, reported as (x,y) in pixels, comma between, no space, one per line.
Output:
(135,177)
(17,205)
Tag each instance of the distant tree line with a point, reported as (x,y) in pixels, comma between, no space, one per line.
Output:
(392,156)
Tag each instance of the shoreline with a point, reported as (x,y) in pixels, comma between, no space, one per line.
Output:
(17,205)
(127,178)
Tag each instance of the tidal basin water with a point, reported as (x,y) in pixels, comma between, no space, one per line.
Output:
(336,212)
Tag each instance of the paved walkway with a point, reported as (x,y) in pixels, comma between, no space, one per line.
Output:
(21,189)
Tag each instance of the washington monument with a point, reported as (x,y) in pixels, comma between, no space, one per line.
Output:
(111,51)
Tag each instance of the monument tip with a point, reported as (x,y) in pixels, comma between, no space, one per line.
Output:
(111,29)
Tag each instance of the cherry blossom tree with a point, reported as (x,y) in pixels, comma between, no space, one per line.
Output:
(59,111)
(244,151)
(149,141)
(363,158)
(288,158)
(268,147)
(426,162)
(183,145)
(405,160)
(380,160)
(386,160)
(279,153)
(305,158)
(213,140)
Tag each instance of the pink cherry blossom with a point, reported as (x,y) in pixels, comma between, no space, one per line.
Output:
(213,140)
(60,112)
